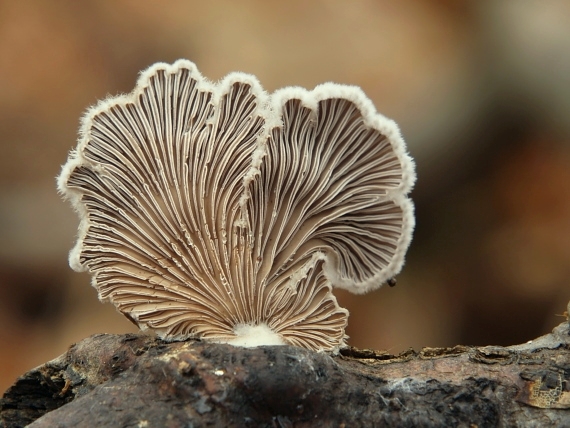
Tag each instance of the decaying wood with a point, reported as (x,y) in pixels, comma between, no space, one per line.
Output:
(140,381)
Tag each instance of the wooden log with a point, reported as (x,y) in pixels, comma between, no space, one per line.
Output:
(140,381)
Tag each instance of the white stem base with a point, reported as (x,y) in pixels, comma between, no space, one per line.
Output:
(249,336)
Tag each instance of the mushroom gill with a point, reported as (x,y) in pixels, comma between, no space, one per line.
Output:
(216,211)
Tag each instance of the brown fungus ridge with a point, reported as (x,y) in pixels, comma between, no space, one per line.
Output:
(218,212)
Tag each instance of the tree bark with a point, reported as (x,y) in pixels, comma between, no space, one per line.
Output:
(141,381)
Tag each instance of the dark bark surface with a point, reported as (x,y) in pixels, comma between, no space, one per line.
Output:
(140,381)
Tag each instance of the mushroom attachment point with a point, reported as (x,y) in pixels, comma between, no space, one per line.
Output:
(216,211)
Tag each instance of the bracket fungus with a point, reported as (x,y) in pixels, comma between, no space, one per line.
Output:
(217,211)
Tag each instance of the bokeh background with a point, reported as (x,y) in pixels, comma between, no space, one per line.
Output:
(480,89)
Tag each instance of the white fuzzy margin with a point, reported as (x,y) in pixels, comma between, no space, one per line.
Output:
(271,108)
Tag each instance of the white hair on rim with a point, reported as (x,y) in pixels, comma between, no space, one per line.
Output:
(216,211)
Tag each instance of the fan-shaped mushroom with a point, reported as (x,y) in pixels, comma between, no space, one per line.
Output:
(219,212)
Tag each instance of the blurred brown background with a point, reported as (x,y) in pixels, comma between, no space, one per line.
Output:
(481,90)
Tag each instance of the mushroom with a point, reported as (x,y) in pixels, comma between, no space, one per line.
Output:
(215,211)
